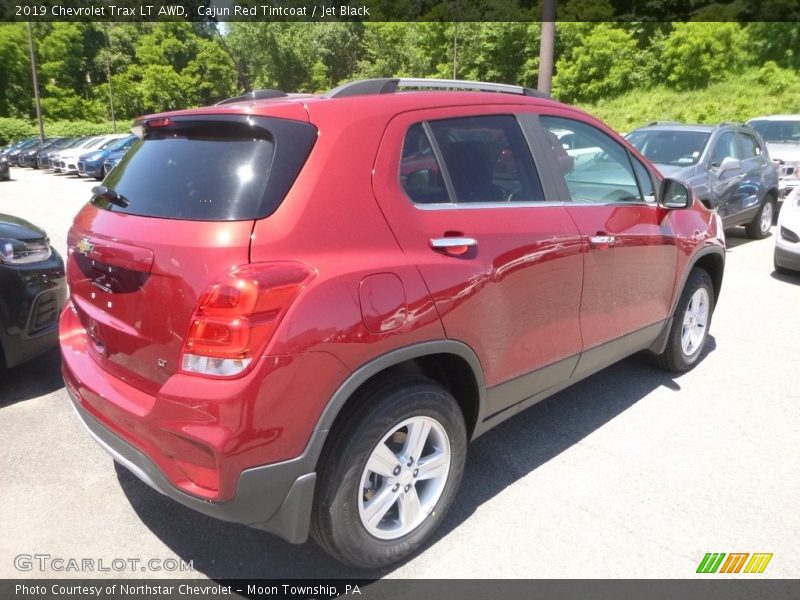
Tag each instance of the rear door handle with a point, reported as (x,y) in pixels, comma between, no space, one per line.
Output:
(602,241)
(455,246)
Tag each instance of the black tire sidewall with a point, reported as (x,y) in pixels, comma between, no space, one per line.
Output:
(699,278)
(338,496)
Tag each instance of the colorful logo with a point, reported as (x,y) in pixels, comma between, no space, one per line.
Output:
(716,562)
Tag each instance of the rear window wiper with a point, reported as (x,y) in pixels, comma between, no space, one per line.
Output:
(111,195)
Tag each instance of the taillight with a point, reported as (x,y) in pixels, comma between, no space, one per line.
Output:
(237,316)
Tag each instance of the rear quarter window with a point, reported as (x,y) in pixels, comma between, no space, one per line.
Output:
(211,168)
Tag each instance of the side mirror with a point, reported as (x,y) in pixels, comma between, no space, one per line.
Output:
(730,164)
(674,194)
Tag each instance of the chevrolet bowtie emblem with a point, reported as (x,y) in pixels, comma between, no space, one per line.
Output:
(84,247)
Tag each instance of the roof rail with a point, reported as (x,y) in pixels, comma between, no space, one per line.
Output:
(652,123)
(369,87)
(254,95)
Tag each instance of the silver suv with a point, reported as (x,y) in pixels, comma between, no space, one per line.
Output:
(728,166)
(782,135)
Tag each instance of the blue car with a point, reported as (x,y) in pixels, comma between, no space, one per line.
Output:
(91,164)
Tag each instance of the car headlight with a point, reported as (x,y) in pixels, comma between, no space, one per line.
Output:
(17,252)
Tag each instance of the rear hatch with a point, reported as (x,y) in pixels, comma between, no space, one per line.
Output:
(179,214)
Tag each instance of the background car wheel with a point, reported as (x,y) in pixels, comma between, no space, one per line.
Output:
(390,472)
(759,227)
(689,332)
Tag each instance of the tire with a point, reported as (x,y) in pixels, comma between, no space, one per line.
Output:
(684,347)
(759,227)
(387,412)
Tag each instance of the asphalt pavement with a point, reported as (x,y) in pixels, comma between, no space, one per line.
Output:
(632,473)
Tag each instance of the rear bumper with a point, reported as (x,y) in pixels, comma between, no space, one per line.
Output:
(241,450)
(276,498)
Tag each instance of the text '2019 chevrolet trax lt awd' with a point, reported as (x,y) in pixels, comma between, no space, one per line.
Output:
(294,311)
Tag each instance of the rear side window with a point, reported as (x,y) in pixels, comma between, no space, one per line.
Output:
(486,160)
(420,173)
(211,168)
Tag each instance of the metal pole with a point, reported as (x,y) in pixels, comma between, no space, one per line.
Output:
(35,83)
(455,49)
(108,74)
(546,45)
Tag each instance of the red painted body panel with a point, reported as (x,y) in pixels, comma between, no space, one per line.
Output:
(515,297)
(531,293)
(629,285)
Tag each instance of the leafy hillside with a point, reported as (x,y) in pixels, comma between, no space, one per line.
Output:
(752,93)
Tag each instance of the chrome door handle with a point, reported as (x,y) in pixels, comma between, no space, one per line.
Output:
(454,246)
(452,242)
(602,241)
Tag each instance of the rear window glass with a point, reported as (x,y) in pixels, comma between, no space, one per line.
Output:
(215,169)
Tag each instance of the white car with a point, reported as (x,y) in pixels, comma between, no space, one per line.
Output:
(66,161)
(782,135)
(787,240)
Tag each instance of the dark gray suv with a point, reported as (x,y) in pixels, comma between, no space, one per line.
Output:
(727,165)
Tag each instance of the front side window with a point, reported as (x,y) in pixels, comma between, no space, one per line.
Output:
(606,176)
(485,160)
(725,147)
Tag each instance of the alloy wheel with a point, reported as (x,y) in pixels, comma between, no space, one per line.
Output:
(404,478)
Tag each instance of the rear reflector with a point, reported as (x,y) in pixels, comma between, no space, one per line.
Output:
(237,316)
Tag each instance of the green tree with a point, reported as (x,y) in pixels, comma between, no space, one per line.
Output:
(696,54)
(603,62)
(16,91)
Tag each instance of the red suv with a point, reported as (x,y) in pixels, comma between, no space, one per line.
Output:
(294,311)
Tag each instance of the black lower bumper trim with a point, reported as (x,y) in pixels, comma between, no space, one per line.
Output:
(276,498)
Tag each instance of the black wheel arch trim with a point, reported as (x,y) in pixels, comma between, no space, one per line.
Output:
(661,343)
(392,358)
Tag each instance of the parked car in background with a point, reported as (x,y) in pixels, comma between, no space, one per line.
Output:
(238,250)
(13,153)
(787,240)
(782,135)
(82,142)
(113,160)
(32,290)
(67,160)
(91,164)
(43,158)
(727,166)
(5,170)
(27,158)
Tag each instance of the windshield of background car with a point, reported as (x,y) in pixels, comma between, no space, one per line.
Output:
(674,148)
(778,131)
(213,169)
